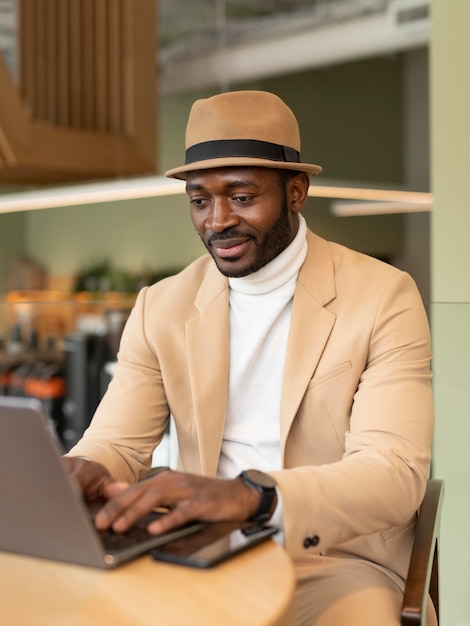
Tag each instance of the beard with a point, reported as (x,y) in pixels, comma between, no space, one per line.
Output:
(275,240)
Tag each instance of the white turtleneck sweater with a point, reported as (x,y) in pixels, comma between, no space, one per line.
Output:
(260,311)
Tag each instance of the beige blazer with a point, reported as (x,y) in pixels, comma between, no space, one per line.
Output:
(356,409)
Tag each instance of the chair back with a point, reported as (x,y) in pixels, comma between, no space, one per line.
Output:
(423,572)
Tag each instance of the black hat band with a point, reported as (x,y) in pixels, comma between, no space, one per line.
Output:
(250,148)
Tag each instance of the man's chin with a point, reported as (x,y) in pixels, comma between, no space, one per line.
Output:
(237,271)
(229,272)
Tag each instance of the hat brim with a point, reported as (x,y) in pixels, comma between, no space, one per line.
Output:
(180,172)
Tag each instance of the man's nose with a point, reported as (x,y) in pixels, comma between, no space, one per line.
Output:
(221,216)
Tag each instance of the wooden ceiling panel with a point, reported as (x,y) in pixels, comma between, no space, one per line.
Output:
(85,105)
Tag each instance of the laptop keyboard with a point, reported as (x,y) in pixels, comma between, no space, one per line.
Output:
(137,534)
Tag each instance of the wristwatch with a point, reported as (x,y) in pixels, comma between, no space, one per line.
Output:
(265,485)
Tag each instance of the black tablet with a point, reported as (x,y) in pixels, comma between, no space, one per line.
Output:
(213,544)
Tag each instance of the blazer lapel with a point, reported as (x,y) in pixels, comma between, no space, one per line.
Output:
(311,325)
(207,336)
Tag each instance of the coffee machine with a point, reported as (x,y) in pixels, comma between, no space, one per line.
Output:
(90,358)
(84,356)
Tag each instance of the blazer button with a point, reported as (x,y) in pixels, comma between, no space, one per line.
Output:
(311,541)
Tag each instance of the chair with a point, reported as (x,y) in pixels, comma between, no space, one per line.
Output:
(423,572)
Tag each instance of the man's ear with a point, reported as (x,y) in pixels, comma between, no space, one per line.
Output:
(298,191)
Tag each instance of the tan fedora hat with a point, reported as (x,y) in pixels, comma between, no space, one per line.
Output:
(242,128)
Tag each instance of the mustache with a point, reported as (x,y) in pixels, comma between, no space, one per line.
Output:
(229,233)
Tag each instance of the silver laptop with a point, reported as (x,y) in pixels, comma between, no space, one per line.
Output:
(42,512)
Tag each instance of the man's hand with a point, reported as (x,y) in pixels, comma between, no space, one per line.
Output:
(186,496)
(91,476)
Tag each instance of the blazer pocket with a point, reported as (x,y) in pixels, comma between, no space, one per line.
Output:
(336,371)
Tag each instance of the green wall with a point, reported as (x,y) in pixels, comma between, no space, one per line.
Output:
(12,242)
(135,236)
(450,309)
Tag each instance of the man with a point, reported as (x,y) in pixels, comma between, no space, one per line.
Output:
(280,352)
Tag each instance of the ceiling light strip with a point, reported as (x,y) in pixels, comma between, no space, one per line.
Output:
(357,209)
(156,186)
(365,193)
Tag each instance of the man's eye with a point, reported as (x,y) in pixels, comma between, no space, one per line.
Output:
(242,199)
(198,202)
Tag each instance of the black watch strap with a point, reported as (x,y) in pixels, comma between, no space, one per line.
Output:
(265,485)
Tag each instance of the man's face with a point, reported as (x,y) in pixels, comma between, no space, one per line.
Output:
(242,216)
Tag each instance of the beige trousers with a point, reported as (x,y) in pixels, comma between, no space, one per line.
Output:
(348,592)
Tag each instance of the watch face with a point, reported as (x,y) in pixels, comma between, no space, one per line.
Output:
(265,480)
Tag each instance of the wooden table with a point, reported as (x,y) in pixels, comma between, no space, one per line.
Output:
(255,588)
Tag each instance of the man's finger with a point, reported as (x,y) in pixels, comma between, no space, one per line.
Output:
(113,489)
